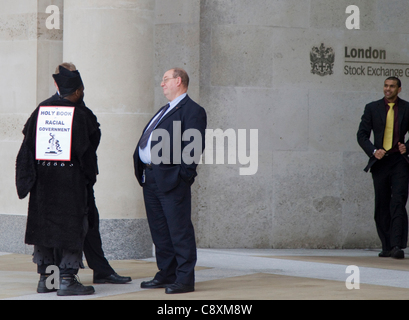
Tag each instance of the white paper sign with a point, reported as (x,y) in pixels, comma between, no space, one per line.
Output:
(54,133)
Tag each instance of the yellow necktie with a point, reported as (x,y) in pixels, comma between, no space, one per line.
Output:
(388,135)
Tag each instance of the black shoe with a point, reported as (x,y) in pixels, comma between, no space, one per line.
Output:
(397,253)
(179,288)
(113,278)
(70,286)
(154,284)
(384,254)
(42,288)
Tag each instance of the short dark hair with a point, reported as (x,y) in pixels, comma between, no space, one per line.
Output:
(395,79)
(179,72)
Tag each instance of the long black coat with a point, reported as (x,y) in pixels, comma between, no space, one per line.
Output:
(60,192)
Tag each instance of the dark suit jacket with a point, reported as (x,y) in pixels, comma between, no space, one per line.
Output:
(167,176)
(374,119)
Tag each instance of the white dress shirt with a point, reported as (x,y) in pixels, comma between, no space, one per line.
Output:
(145,154)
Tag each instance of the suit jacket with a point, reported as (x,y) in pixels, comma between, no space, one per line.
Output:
(168,175)
(374,119)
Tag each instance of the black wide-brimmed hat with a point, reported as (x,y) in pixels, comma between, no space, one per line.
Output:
(67,81)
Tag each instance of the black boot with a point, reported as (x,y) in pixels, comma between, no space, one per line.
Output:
(397,253)
(70,286)
(42,288)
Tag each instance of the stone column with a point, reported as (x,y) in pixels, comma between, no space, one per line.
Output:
(111,43)
(49,47)
(28,50)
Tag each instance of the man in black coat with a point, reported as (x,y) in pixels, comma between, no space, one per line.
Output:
(26,175)
(388,119)
(94,254)
(58,206)
(165,161)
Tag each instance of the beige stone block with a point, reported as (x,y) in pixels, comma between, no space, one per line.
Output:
(115,63)
(331,14)
(307,201)
(109,4)
(18,7)
(233,211)
(177,11)
(177,46)
(241,56)
(221,105)
(18,26)
(118,194)
(392,16)
(11,127)
(9,201)
(49,56)
(18,64)
(280,115)
(277,13)
(334,119)
(358,224)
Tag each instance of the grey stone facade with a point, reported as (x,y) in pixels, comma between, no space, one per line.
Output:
(250,66)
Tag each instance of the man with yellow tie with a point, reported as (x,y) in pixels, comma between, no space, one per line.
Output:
(388,119)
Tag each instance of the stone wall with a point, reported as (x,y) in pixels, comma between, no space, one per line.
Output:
(250,68)
(310,190)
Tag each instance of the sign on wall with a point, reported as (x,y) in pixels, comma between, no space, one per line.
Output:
(54,133)
(367,61)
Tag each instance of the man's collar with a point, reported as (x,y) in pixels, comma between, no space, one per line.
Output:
(387,102)
(176,101)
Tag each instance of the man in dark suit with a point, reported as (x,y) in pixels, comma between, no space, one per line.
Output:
(166,171)
(388,119)
(94,254)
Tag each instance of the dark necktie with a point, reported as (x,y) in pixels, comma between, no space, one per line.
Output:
(147,134)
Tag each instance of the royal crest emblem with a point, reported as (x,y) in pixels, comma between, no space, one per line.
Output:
(322,60)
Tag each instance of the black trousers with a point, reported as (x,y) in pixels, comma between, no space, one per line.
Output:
(391,177)
(93,245)
(169,218)
(67,261)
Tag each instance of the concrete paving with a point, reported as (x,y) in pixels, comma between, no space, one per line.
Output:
(237,275)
